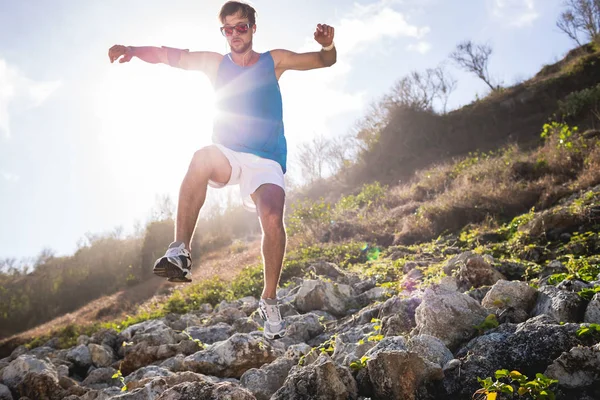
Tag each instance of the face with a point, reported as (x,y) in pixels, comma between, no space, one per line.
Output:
(239,42)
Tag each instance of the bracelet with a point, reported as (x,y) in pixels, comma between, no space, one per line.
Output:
(328,48)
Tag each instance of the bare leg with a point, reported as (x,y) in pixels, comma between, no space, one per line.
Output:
(207,163)
(270,200)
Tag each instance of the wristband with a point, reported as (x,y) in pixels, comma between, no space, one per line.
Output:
(329,48)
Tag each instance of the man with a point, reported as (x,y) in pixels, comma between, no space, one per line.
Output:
(249,147)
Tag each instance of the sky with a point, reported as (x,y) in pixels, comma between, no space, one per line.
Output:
(87,146)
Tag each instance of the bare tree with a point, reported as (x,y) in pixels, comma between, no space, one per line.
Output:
(341,152)
(313,157)
(581,17)
(474,58)
(445,85)
(419,90)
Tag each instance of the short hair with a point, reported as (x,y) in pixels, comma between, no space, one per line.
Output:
(234,7)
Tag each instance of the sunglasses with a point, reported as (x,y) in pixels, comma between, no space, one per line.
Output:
(239,28)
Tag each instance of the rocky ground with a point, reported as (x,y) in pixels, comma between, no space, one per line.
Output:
(351,336)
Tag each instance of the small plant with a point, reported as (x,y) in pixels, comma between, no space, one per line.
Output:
(310,218)
(119,375)
(538,388)
(588,293)
(327,347)
(560,132)
(359,364)
(490,322)
(197,341)
(376,335)
(588,330)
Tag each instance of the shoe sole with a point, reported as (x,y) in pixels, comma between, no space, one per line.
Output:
(273,336)
(269,335)
(165,269)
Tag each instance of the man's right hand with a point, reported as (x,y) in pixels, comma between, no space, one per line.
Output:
(119,50)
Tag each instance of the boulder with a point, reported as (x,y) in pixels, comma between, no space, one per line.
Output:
(386,367)
(232,357)
(334,298)
(266,380)
(449,316)
(516,295)
(592,312)
(206,391)
(211,334)
(15,372)
(321,380)
(577,368)
(561,305)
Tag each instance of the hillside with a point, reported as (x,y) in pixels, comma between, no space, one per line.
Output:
(484,261)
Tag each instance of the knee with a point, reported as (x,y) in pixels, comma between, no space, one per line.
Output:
(201,160)
(272,218)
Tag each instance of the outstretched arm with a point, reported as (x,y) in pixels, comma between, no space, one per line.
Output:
(205,61)
(285,59)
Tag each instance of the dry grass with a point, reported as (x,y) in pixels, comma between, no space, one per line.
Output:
(224,263)
(499,186)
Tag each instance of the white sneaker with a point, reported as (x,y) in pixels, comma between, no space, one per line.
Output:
(274,327)
(176,264)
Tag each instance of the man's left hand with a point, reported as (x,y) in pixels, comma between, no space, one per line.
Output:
(324,34)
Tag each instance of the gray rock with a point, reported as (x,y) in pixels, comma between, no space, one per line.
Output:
(40,386)
(151,371)
(386,367)
(106,337)
(206,391)
(181,322)
(211,334)
(19,351)
(334,298)
(430,348)
(322,380)
(80,356)
(559,304)
(174,364)
(5,393)
(83,339)
(15,372)
(393,343)
(227,315)
(449,316)
(554,267)
(529,347)
(592,312)
(101,378)
(511,295)
(472,270)
(62,370)
(578,368)
(371,295)
(101,356)
(302,328)
(268,379)
(42,352)
(231,358)
(151,391)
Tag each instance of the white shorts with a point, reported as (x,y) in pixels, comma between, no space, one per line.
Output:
(250,172)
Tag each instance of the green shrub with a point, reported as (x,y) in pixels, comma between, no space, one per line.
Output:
(310,218)
(581,101)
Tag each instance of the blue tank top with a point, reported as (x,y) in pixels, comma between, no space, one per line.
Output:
(249,112)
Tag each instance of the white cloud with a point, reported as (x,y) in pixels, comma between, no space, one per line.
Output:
(10,177)
(313,98)
(516,13)
(18,93)
(420,47)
